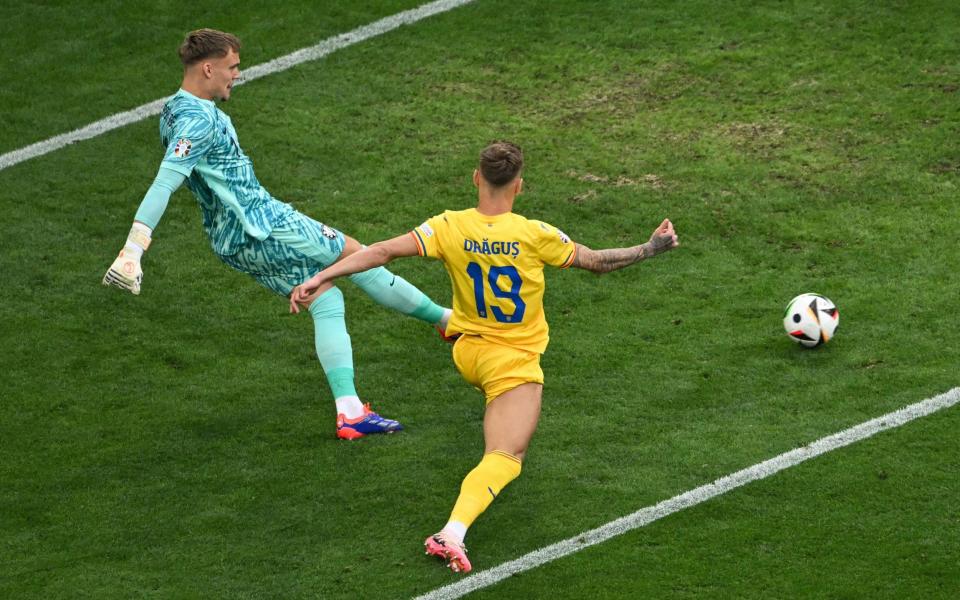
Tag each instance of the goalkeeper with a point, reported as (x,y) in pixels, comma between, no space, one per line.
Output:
(252,231)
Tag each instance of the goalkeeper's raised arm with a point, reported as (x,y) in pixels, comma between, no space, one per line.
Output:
(125,272)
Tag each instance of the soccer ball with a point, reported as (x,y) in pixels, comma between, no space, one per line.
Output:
(811,320)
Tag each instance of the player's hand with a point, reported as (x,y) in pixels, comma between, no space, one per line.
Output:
(304,293)
(295,297)
(125,273)
(664,238)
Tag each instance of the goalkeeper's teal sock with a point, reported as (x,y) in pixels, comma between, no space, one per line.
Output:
(345,395)
(395,292)
(334,350)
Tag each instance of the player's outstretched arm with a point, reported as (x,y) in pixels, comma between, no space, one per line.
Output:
(125,272)
(664,238)
(370,257)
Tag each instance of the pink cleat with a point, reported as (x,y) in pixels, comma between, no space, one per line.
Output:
(455,553)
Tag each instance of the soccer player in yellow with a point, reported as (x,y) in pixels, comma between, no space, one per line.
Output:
(495,260)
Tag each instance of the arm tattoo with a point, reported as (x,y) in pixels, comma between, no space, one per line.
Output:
(604,261)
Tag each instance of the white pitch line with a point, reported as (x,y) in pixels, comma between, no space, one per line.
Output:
(276,65)
(703,493)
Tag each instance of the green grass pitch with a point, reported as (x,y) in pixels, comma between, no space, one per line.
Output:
(180,444)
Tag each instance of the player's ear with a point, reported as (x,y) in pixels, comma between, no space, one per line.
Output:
(519,186)
(207,69)
(476,178)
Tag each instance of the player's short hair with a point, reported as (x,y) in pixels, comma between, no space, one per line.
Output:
(207,43)
(501,162)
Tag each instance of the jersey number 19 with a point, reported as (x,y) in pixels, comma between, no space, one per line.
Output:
(475,272)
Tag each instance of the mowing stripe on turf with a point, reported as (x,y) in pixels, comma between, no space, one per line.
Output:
(276,65)
(703,493)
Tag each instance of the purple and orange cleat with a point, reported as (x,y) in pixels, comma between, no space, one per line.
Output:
(368,423)
(453,552)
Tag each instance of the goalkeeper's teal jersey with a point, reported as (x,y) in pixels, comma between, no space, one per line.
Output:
(201,143)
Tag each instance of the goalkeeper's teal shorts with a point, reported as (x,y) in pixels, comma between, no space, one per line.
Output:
(296,250)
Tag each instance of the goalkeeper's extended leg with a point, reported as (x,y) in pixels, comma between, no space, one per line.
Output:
(397,293)
(354,419)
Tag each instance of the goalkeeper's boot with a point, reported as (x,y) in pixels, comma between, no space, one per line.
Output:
(450,339)
(453,552)
(367,423)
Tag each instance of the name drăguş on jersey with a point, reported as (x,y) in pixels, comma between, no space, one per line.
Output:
(496,265)
(201,143)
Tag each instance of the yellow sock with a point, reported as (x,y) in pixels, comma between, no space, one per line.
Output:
(483,484)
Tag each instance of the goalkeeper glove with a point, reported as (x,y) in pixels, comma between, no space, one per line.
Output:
(125,272)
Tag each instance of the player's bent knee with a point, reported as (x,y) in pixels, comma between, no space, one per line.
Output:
(350,246)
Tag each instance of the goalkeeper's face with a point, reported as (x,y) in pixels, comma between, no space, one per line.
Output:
(222,73)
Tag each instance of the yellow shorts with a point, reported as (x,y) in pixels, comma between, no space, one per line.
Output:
(495,368)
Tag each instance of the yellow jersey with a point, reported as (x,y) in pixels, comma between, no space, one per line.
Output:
(495,265)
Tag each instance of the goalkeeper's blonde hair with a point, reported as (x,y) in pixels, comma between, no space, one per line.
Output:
(207,43)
